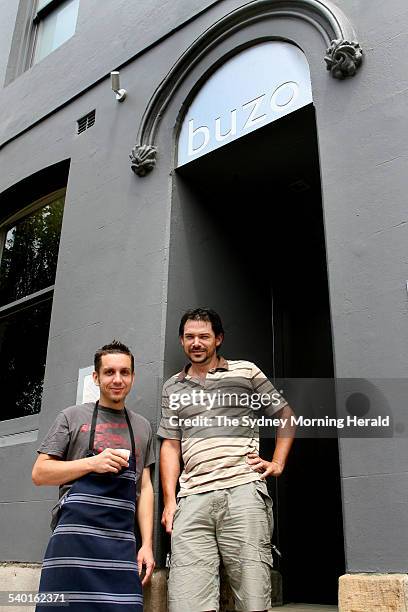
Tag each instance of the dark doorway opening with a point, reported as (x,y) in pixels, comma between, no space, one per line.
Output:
(247,238)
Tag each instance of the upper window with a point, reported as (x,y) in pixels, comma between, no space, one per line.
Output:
(56,23)
(30,242)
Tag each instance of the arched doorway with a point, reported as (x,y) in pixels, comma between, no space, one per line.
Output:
(247,235)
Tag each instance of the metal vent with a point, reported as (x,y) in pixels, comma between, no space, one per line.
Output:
(86,122)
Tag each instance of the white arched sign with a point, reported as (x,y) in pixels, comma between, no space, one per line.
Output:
(255,87)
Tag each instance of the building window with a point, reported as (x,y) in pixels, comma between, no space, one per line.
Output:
(29,253)
(55,24)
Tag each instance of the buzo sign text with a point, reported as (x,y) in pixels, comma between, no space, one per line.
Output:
(257,86)
(246,118)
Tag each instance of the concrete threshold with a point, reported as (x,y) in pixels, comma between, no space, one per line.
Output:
(304,608)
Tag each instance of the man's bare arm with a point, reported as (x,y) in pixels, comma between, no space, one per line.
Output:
(52,471)
(169,471)
(145,508)
(285,435)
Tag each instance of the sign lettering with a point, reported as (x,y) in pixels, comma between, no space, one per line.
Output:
(266,82)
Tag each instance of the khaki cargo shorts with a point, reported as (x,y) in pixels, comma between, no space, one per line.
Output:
(235,524)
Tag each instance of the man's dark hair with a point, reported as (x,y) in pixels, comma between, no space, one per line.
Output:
(202,314)
(114,347)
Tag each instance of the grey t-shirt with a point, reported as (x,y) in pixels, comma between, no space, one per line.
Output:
(68,437)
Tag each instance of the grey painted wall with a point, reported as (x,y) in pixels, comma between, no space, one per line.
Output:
(366,237)
(8,12)
(107,36)
(113,277)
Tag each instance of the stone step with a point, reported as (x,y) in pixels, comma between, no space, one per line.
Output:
(304,608)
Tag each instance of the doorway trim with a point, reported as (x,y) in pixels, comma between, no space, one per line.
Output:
(343,58)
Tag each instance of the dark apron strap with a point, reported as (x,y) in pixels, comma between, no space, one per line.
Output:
(93,427)
(132,437)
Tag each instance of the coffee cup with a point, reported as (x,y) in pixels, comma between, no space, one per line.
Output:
(123,452)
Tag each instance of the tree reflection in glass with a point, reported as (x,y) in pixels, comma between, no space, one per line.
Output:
(30,253)
(28,264)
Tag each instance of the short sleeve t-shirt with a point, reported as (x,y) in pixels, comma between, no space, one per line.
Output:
(68,436)
(214,456)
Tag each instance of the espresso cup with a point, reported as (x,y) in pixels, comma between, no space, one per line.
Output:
(123,452)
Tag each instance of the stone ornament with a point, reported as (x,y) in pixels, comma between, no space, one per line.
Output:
(143,159)
(343,58)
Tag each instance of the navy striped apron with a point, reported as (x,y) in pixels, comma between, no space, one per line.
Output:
(91,556)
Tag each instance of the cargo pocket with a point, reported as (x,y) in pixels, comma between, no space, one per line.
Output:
(180,501)
(261,492)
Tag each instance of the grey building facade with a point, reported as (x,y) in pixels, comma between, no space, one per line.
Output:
(295,232)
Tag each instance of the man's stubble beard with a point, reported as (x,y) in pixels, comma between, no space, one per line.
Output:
(202,360)
(115,399)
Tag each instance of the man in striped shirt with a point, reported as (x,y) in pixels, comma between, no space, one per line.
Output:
(210,416)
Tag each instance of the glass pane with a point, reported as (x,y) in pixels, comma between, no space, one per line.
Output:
(30,253)
(55,28)
(23,351)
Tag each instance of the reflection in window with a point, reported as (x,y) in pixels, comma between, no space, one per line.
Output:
(56,24)
(27,274)
(23,341)
(30,253)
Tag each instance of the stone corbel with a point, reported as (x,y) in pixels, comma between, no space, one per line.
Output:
(143,159)
(343,58)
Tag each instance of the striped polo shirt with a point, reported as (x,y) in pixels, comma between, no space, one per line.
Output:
(216,421)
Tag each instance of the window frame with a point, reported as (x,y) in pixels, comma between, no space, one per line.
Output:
(19,430)
(37,17)
(27,300)
(24,38)
(46,9)
(22,43)
(24,424)
(27,210)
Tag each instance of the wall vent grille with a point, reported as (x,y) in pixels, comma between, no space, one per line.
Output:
(86,122)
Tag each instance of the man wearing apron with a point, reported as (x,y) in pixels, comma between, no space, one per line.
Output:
(91,556)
